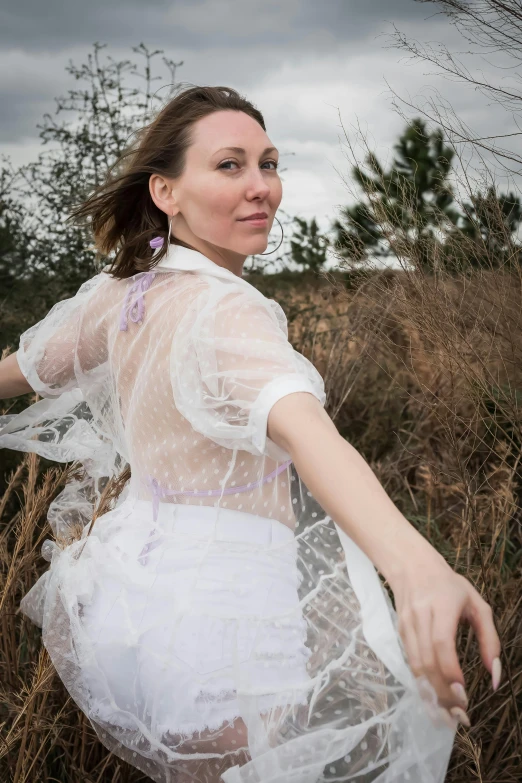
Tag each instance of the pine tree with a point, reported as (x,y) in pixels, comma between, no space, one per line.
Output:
(491,221)
(308,245)
(408,204)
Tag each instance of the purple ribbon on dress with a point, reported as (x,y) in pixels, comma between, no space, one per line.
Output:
(142,281)
(158,491)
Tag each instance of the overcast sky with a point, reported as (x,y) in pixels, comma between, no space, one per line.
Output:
(308,65)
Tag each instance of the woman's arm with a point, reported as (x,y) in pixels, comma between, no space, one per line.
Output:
(345,485)
(430,597)
(70,337)
(12,380)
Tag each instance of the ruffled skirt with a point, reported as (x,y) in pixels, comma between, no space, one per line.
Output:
(217,645)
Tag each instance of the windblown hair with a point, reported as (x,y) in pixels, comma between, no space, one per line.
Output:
(124,218)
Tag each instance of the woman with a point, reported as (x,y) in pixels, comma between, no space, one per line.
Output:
(224,620)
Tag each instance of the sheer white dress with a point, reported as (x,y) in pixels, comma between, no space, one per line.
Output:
(215,624)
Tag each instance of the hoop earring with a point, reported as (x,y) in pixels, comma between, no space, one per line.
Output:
(157,242)
(279,245)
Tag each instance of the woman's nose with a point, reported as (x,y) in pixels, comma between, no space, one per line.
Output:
(259,184)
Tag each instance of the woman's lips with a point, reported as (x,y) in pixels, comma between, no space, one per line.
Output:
(255,221)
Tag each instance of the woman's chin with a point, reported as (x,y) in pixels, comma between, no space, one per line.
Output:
(255,246)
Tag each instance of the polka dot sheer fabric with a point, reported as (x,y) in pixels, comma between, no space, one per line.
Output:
(215,624)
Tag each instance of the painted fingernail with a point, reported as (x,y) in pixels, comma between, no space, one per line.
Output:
(460,715)
(460,693)
(496,671)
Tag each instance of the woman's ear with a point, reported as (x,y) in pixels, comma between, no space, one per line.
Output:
(162,194)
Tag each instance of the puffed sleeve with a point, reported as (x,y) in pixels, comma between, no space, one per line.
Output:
(66,342)
(230,362)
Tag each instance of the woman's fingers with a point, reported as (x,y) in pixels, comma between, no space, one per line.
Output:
(480,616)
(409,637)
(444,635)
(425,685)
(436,634)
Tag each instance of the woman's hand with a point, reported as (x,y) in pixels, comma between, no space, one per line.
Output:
(431,599)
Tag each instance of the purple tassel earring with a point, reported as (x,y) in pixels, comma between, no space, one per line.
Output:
(159,241)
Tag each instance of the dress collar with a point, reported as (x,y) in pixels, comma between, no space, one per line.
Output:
(184,258)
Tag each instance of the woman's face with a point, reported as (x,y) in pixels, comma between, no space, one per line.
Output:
(220,186)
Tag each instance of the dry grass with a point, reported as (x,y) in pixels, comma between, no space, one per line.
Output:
(423,375)
(428,386)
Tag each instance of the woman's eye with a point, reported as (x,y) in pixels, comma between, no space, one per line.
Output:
(225,162)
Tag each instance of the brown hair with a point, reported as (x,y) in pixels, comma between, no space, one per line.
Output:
(123,215)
